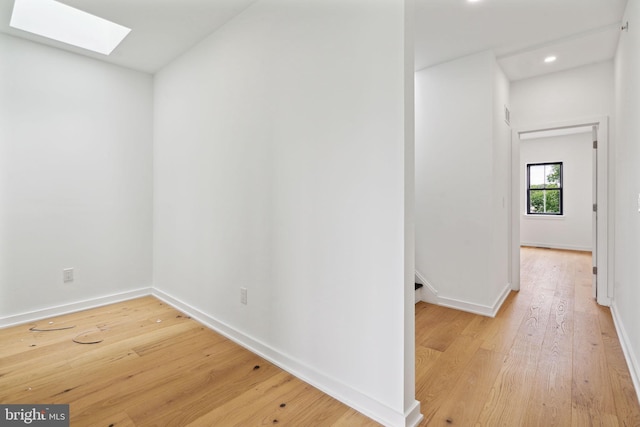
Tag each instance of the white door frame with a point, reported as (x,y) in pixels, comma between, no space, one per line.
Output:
(604,260)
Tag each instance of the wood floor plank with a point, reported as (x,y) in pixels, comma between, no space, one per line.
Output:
(585,417)
(425,361)
(500,335)
(354,419)
(91,362)
(584,301)
(462,406)
(318,412)
(168,379)
(120,419)
(591,383)
(550,400)
(436,335)
(237,377)
(624,395)
(269,395)
(518,372)
(434,389)
(565,284)
(90,383)
(479,325)
(444,328)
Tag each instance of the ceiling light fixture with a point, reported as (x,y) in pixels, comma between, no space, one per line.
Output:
(57,21)
(550,59)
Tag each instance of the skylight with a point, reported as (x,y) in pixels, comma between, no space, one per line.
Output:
(57,21)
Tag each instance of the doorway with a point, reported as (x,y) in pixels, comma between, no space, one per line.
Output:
(597,128)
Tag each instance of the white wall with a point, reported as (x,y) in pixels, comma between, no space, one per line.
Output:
(501,195)
(75,178)
(627,178)
(573,229)
(462,162)
(567,95)
(279,167)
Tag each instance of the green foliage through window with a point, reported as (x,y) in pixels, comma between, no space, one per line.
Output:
(544,189)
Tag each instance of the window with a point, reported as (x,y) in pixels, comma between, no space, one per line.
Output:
(66,24)
(544,189)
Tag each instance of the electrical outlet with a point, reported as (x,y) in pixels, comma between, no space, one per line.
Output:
(243,295)
(67,275)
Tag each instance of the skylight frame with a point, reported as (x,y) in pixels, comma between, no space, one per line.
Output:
(66,24)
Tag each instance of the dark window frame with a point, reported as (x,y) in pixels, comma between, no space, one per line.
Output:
(559,189)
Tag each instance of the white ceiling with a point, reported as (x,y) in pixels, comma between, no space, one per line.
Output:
(521,32)
(161,30)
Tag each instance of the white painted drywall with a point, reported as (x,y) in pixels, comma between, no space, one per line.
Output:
(279,167)
(627,179)
(573,229)
(462,160)
(567,95)
(501,196)
(412,415)
(75,177)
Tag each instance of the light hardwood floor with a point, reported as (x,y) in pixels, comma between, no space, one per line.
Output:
(155,367)
(550,358)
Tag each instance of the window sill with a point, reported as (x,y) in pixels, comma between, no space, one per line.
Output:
(552,217)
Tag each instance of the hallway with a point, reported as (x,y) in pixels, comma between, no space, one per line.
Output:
(551,357)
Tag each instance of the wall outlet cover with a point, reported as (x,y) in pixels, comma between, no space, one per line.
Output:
(67,275)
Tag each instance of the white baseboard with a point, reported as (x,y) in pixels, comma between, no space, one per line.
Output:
(483,310)
(413,417)
(429,293)
(347,395)
(32,316)
(556,246)
(632,360)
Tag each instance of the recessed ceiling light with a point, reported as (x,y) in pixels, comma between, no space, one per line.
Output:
(57,21)
(549,59)
(473,1)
